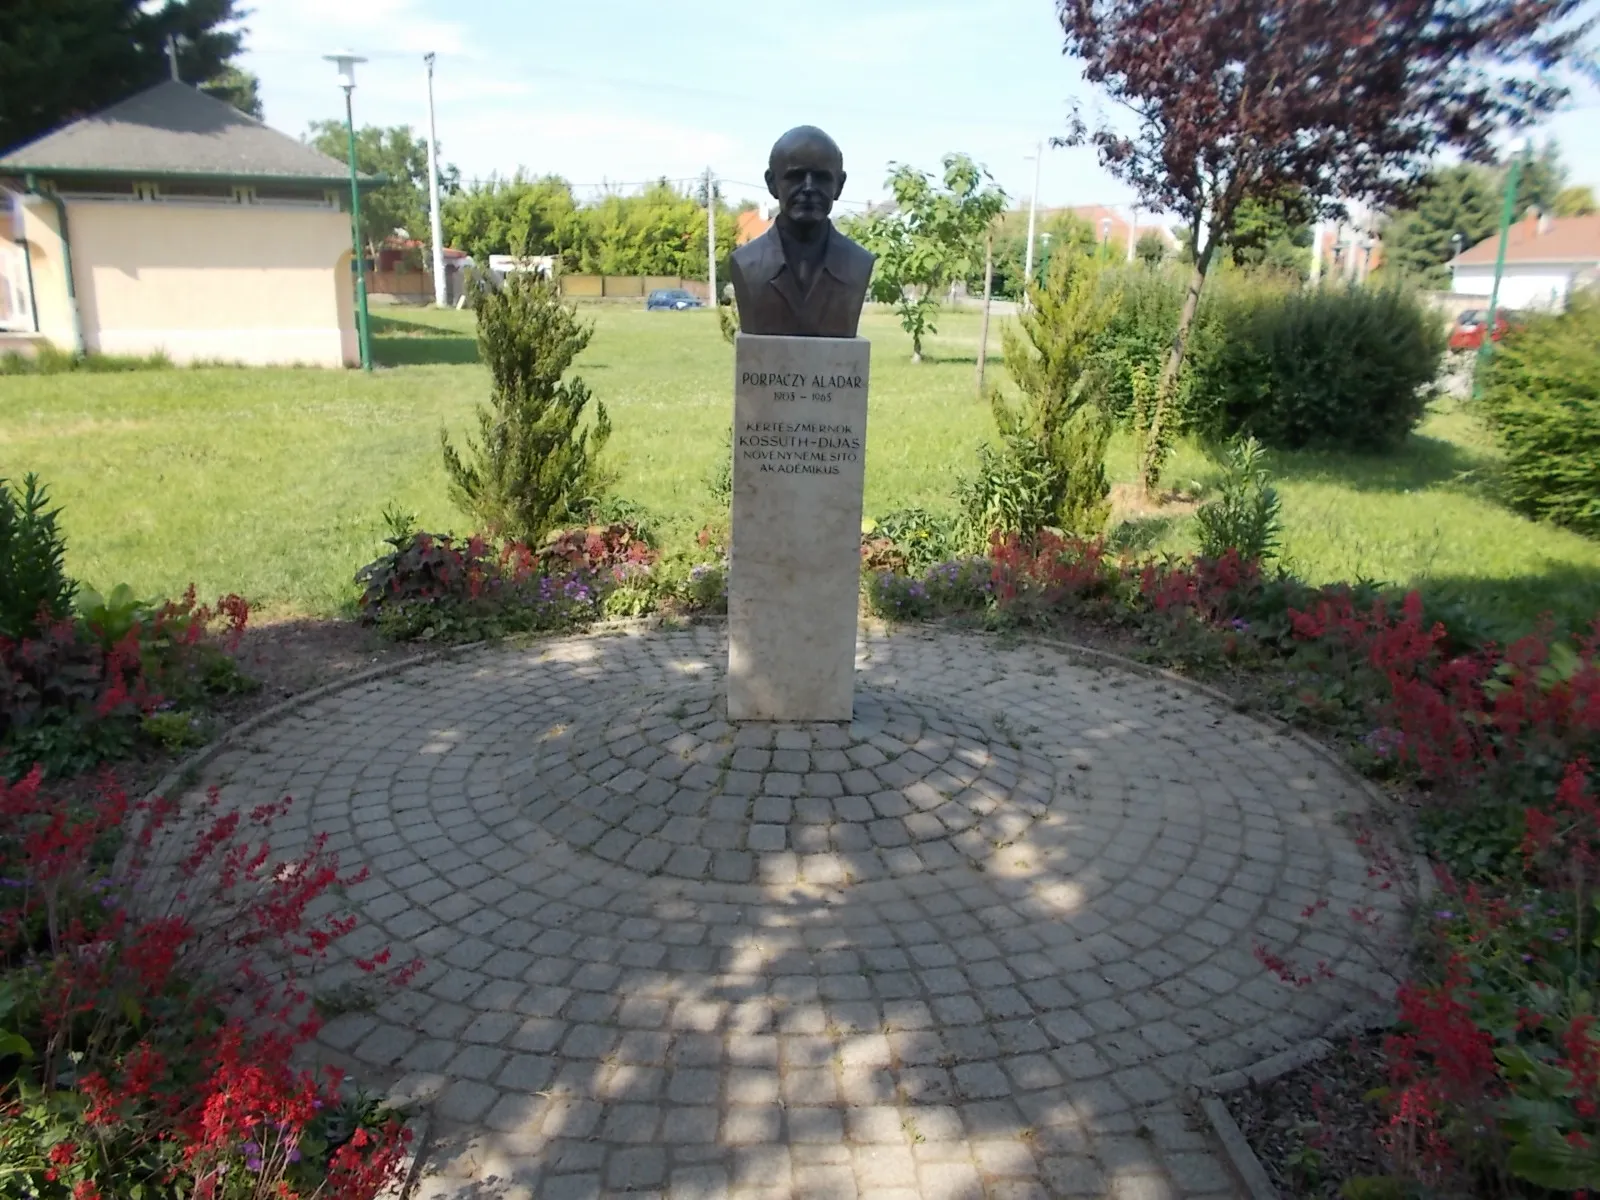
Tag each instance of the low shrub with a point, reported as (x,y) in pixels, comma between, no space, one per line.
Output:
(960,585)
(909,540)
(1541,396)
(34,584)
(1245,514)
(596,549)
(151,1014)
(703,588)
(1014,490)
(1139,335)
(1331,368)
(429,587)
(80,691)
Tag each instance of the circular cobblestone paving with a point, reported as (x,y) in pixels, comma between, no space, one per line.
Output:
(973,943)
(663,782)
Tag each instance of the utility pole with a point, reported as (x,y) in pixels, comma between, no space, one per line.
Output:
(172,57)
(439,297)
(1133,229)
(711,236)
(1033,208)
(1316,253)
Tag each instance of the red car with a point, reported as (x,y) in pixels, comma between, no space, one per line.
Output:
(1468,331)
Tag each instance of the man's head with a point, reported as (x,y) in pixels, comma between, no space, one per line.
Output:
(805,174)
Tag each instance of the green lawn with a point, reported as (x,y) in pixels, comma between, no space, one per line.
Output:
(271,482)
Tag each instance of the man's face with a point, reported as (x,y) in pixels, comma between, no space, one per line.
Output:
(807,178)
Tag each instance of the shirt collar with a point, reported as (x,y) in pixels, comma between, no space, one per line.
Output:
(832,256)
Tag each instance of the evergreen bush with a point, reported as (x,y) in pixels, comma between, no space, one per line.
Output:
(1050,469)
(33,574)
(1541,396)
(531,468)
(1332,368)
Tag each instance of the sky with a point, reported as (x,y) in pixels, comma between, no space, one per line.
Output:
(626,91)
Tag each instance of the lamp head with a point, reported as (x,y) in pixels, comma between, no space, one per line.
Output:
(345,61)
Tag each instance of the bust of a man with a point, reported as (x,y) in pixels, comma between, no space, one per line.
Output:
(802,278)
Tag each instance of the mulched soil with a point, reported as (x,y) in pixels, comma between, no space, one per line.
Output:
(1314,1128)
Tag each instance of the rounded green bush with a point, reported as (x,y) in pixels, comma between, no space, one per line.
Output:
(1541,396)
(1330,368)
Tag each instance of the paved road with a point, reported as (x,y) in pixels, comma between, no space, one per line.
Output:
(972,945)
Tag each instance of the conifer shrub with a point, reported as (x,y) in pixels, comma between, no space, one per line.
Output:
(534,466)
(1541,396)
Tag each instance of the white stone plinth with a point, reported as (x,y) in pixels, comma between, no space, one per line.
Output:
(799,458)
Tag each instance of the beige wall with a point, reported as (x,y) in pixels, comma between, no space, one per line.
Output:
(239,283)
(49,274)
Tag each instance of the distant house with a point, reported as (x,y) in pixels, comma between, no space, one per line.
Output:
(751,224)
(1111,225)
(173,222)
(1545,257)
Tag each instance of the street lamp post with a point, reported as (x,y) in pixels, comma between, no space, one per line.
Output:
(1033,209)
(1519,152)
(346,62)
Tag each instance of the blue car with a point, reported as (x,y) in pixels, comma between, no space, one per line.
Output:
(673,298)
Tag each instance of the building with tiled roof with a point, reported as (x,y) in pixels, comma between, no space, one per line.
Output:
(173,222)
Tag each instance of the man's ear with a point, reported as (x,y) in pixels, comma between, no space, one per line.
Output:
(839,191)
(772,184)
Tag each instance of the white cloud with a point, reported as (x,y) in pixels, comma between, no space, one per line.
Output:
(367,26)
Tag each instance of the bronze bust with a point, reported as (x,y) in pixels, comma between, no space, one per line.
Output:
(802,277)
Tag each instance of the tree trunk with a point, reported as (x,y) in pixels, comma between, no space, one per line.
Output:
(988,287)
(1166,390)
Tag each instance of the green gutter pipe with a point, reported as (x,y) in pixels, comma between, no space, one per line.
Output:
(1486,346)
(33,296)
(66,256)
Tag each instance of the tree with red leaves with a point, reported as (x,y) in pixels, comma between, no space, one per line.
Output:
(1331,99)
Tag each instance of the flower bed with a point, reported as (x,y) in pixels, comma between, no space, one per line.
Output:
(1493,1071)
(152,1006)
(117,676)
(432,586)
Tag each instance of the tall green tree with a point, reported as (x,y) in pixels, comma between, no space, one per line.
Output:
(1542,178)
(1575,201)
(935,235)
(531,467)
(1419,241)
(521,216)
(1274,232)
(63,59)
(398,153)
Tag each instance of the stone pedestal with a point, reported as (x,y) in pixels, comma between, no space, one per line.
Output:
(799,457)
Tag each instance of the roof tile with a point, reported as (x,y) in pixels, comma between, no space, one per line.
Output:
(174,129)
(1565,240)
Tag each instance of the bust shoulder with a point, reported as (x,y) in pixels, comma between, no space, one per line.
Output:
(850,257)
(758,251)
(856,252)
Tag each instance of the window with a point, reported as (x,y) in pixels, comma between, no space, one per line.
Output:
(289,196)
(103,189)
(197,192)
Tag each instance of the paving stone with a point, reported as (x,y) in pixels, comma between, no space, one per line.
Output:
(828,960)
